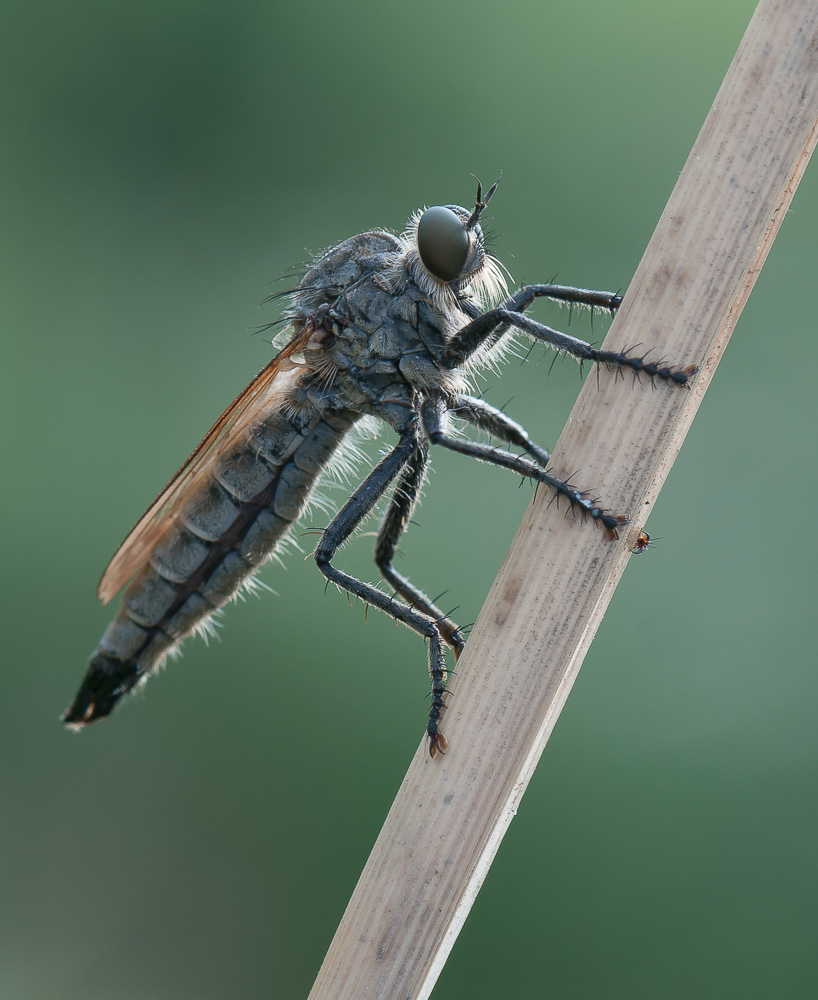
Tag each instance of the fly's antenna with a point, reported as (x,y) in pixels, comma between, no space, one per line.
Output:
(481,202)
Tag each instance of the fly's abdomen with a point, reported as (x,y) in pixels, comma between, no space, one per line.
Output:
(217,542)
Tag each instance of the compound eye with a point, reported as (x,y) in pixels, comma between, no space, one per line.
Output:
(443,243)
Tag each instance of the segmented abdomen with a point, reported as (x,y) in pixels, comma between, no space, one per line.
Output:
(220,538)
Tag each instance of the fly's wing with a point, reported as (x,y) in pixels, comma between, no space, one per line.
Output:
(231,426)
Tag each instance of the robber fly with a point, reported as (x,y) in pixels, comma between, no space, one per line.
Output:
(381,326)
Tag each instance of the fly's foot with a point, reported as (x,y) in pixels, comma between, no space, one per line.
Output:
(652,369)
(681,376)
(438,744)
(590,508)
(612,522)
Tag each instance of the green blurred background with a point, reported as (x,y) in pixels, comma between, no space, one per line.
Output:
(162,165)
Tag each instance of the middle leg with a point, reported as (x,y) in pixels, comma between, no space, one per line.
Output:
(434,412)
(489,418)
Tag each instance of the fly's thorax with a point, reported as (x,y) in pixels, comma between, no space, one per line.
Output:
(374,324)
(338,270)
(379,283)
(382,319)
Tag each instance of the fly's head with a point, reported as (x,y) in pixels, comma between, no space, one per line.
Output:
(447,257)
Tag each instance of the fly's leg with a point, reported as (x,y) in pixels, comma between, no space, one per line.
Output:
(486,330)
(434,417)
(523,297)
(392,527)
(489,418)
(339,530)
(468,340)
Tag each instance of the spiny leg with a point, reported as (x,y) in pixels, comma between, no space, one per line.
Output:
(392,527)
(520,300)
(338,531)
(486,330)
(434,416)
(489,418)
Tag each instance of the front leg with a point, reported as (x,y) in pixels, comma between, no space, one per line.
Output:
(486,330)
(523,297)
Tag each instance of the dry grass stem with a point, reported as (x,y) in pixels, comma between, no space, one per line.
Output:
(553,588)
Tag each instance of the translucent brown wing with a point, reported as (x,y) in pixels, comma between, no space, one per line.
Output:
(236,421)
